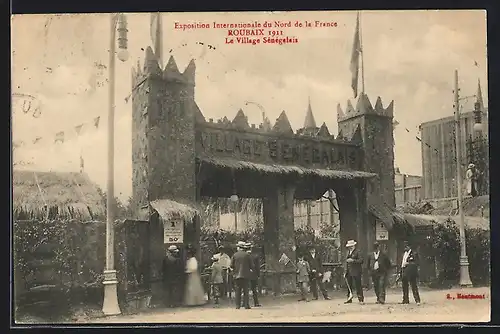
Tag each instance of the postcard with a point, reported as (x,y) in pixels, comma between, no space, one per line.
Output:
(250,167)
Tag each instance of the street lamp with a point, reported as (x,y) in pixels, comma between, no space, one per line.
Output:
(464,262)
(110,304)
(478,125)
(234,198)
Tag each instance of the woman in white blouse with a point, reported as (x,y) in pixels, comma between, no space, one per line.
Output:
(194,294)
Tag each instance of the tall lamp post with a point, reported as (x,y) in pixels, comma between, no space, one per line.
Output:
(464,262)
(110,304)
(234,199)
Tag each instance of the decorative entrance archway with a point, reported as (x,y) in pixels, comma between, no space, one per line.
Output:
(179,155)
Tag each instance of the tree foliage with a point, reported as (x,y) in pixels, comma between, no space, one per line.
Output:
(446,244)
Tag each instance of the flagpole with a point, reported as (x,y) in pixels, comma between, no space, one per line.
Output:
(362,56)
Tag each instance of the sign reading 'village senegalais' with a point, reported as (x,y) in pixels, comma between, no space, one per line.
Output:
(269,148)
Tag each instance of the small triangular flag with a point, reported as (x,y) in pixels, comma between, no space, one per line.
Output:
(59,137)
(78,129)
(96,121)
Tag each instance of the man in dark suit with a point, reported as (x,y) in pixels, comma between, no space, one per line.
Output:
(379,265)
(172,277)
(353,272)
(316,277)
(409,274)
(254,277)
(241,266)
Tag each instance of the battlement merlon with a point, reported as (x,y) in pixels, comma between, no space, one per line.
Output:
(171,73)
(364,107)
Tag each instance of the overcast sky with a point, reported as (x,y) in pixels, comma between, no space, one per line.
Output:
(409,57)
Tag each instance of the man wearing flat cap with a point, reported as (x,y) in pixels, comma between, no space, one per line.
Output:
(409,274)
(241,267)
(379,265)
(353,272)
(173,270)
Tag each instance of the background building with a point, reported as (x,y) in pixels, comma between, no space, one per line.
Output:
(408,188)
(439,165)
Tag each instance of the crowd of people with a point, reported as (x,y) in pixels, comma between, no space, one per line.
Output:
(241,272)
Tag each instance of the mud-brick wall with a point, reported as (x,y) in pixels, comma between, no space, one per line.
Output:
(140,156)
(177,157)
(378,146)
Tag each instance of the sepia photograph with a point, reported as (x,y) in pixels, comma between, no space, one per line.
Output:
(250,167)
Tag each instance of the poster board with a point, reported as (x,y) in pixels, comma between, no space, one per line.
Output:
(173,232)
(381,232)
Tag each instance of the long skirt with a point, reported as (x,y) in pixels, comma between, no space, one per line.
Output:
(194,295)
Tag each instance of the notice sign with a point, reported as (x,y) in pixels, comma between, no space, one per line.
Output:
(173,232)
(381,232)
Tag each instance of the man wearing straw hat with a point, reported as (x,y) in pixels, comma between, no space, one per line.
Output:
(241,266)
(353,272)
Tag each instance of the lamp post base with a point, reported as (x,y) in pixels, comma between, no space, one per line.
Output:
(110,305)
(464,272)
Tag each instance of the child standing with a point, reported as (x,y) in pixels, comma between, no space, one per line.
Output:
(303,271)
(217,279)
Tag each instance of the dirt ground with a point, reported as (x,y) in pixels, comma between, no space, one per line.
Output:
(436,306)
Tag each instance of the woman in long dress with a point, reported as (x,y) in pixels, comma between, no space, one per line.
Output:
(194,295)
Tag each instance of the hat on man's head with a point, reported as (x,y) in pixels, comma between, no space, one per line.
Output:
(248,245)
(376,244)
(216,257)
(241,244)
(173,248)
(471,165)
(351,243)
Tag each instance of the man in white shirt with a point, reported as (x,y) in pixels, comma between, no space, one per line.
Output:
(379,266)
(409,274)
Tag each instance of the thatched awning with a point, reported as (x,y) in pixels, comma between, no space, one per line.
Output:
(33,190)
(284,169)
(431,220)
(168,209)
(382,213)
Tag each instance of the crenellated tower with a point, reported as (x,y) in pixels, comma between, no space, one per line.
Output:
(163,131)
(373,125)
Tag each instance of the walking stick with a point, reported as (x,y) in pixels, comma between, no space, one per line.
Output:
(348,287)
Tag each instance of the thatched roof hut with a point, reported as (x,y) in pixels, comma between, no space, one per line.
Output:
(63,193)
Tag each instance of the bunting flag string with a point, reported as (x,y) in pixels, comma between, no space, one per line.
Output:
(61,136)
(419,139)
(78,129)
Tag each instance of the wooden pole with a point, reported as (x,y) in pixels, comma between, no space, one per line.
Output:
(464,262)
(362,56)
